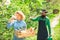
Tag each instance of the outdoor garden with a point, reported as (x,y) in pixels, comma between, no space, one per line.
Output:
(29,8)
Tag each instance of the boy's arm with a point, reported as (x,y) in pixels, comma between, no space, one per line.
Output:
(49,28)
(35,19)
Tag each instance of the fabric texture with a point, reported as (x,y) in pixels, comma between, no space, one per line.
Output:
(43,24)
(17,26)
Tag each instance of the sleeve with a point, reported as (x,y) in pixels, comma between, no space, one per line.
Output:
(24,26)
(9,25)
(49,28)
(35,19)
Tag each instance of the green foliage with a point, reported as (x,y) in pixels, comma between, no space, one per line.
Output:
(57,32)
(28,7)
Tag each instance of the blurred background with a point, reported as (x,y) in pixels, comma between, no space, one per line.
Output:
(29,8)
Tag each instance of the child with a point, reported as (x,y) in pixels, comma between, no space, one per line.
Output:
(17,21)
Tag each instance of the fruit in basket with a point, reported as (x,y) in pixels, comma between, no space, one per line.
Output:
(25,33)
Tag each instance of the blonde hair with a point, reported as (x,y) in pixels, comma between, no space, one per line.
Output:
(21,14)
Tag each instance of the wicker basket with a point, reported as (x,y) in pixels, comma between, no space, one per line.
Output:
(25,33)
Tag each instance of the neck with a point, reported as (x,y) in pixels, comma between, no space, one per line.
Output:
(19,20)
(43,16)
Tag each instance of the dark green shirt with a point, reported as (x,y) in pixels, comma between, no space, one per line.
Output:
(45,19)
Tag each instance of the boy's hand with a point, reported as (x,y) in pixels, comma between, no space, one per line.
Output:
(49,35)
(30,18)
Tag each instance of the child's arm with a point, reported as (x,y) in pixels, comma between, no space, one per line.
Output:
(25,26)
(10,23)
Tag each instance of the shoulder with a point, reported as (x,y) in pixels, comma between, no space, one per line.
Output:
(23,21)
(47,17)
(15,21)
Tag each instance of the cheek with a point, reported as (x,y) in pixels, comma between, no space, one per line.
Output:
(16,17)
(19,17)
(43,14)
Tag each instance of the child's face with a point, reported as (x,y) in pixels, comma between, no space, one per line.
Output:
(18,17)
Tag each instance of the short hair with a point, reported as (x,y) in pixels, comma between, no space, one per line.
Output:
(21,14)
(44,11)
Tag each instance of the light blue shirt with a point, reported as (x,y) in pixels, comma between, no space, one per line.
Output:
(17,25)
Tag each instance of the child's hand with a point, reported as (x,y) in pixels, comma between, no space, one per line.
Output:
(11,20)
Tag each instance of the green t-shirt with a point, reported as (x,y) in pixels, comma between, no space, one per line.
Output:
(45,19)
